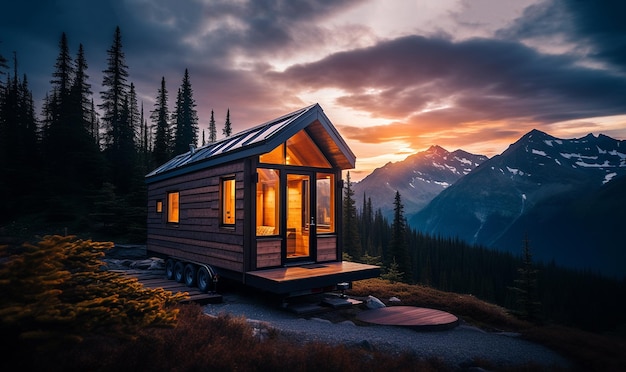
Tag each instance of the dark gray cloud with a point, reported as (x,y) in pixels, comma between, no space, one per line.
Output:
(488,79)
(596,28)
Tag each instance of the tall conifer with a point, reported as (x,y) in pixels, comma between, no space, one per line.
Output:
(228,130)
(398,247)
(351,241)
(162,133)
(212,130)
(186,118)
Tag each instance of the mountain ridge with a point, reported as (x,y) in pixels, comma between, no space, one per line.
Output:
(539,179)
(418,178)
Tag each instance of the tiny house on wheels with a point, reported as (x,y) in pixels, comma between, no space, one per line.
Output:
(262,207)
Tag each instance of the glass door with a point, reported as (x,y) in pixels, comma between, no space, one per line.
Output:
(300,229)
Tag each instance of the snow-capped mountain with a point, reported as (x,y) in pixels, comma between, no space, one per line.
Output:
(541,186)
(418,178)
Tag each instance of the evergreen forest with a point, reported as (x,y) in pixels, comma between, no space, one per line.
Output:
(542,292)
(78,168)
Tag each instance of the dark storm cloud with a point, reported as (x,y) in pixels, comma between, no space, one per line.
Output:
(479,79)
(597,28)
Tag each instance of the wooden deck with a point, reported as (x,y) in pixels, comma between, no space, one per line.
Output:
(315,277)
(158,280)
(415,317)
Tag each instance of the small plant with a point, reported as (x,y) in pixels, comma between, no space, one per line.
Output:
(58,289)
(393,273)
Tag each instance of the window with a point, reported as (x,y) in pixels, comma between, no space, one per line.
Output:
(159,206)
(325,203)
(267,202)
(172,207)
(228,201)
(299,150)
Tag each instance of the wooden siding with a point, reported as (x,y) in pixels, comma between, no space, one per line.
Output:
(268,252)
(199,235)
(326,248)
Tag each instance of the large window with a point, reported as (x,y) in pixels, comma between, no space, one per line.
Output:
(228,201)
(268,202)
(299,150)
(325,193)
(173,211)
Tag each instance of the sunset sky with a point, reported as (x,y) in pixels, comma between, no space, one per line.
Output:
(393,76)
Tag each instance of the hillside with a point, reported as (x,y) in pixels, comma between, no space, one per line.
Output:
(561,193)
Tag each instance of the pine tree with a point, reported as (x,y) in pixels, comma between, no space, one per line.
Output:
(227,131)
(20,165)
(162,134)
(398,248)
(351,241)
(186,118)
(115,82)
(134,118)
(526,286)
(212,130)
(118,118)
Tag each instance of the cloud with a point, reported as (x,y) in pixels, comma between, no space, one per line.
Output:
(429,85)
(596,29)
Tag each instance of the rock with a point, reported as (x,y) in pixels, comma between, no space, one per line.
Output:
(372,302)
(394,300)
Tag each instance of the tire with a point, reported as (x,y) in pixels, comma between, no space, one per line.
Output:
(189,275)
(169,268)
(178,271)
(204,279)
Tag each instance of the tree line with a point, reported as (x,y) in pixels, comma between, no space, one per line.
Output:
(539,291)
(81,165)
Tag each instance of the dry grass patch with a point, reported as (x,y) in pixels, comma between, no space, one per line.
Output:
(467,307)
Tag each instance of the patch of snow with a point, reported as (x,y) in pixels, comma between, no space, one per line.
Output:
(523,196)
(558,142)
(548,142)
(587,165)
(515,171)
(569,156)
(600,151)
(451,168)
(557,161)
(437,165)
(608,177)
(463,160)
(442,183)
(539,152)
(615,153)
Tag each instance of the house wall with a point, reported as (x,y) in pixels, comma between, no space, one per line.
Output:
(198,236)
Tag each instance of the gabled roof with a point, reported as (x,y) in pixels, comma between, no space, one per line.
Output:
(261,139)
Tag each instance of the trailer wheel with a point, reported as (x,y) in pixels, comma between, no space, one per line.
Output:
(204,279)
(169,268)
(189,275)
(178,271)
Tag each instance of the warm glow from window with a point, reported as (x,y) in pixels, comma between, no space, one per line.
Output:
(159,206)
(276,156)
(301,150)
(325,203)
(172,207)
(267,202)
(228,201)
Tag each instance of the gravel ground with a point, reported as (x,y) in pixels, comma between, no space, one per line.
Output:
(457,346)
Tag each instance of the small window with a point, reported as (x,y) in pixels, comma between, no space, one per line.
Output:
(228,201)
(159,206)
(172,207)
